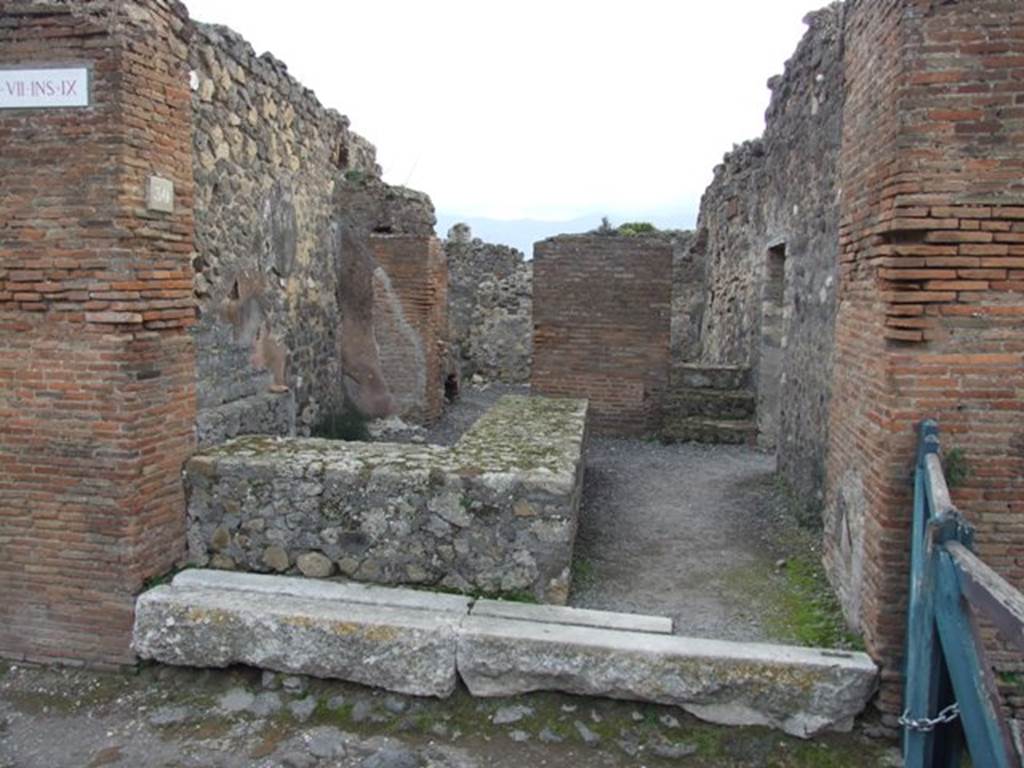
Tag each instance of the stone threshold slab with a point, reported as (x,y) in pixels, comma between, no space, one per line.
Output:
(407,650)
(801,691)
(421,643)
(320,589)
(373,594)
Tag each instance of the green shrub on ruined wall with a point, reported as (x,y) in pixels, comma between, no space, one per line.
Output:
(636,228)
(629,229)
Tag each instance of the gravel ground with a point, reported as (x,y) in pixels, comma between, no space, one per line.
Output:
(682,531)
(165,717)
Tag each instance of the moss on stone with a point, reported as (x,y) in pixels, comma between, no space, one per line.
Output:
(796,603)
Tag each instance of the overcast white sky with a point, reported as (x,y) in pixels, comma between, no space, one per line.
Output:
(545,109)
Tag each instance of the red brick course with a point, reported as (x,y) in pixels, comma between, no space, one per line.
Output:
(929,321)
(601,315)
(96,365)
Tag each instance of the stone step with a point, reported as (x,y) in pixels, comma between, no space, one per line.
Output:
(699,376)
(420,643)
(696,429)
(402,649)
(712,403)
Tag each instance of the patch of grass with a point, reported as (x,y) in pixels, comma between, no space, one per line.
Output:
(582,572)
(806,610)
(340,716)
(1010,678)
(512,596)
(517,596)
(348,424)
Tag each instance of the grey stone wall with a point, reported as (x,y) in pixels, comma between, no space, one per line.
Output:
(277,177)
(688,296)
(495,514)
(490,308)
(768,233)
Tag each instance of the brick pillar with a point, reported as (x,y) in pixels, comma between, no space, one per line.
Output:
(410,321)
(602,327)
(97,369)
(931,305)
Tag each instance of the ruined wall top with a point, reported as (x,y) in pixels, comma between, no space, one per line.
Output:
(241,63)
(279,180)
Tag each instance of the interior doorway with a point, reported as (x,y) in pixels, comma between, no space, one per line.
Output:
(770,369)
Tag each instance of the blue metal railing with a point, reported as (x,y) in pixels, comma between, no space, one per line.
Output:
(950,698)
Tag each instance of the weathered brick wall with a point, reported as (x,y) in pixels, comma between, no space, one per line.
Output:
(410,321)
(601,314)
(931,300)
(768,231)
(277,174)
(97,370)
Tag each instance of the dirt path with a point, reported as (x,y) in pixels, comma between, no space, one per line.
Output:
(679,530)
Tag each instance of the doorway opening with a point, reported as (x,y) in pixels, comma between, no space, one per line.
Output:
(770,374)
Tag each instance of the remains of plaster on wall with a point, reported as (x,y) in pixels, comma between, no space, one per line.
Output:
(399,348)
(847,529)
(362,374)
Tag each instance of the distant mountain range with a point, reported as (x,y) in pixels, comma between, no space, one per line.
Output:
(523,233)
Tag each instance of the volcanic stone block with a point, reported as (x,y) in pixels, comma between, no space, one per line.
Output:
(800,690)
(406,650)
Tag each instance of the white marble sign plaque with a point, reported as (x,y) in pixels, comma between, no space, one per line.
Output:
(39,88)
(160,194)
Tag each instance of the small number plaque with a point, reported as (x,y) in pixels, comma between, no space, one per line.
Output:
(160,194)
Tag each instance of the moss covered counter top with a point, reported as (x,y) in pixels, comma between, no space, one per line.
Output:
(495,514)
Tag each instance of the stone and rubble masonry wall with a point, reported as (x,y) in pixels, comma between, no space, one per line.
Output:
(495,514)
(277,176)
(931,295)
(97,369)
(688,296)
(601,313)
(490,308)
(774,310)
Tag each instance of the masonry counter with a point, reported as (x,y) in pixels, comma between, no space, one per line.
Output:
(496,514)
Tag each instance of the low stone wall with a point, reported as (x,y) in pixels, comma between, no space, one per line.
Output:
(494,514)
